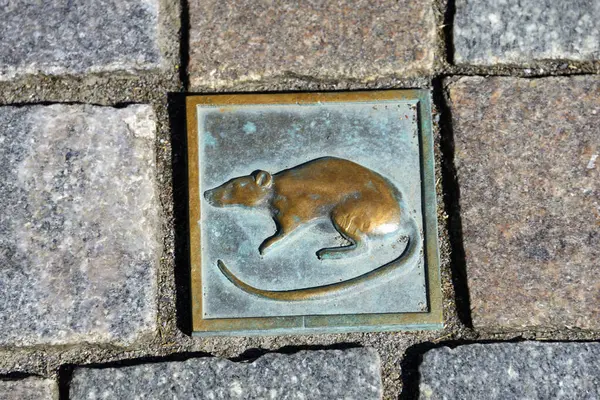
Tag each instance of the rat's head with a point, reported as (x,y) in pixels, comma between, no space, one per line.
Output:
(247,191)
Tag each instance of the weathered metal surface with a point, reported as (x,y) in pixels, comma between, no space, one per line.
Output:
(312,212)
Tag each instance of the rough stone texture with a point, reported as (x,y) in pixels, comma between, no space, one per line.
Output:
(334,374)
(487,32)
(529,370)
(28,389)
(151,87)
(78,224)
(71,37)
(526,156)
(255,40)
(172,282)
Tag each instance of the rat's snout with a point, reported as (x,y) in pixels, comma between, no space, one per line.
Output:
(209,195)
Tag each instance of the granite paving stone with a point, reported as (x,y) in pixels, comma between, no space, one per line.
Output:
(255,40)
(306,375)
(527,370)
(28,389)
(487,32)
(526,152)
(79,227)
(56,37)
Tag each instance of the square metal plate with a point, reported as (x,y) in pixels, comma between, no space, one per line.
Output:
(312,212)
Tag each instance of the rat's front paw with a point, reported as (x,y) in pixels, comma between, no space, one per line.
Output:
(264,247)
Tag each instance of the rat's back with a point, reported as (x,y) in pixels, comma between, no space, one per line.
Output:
(331,177)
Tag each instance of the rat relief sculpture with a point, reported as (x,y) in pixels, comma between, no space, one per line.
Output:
(360,204)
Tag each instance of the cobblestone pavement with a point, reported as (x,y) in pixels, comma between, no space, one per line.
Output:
(93,259)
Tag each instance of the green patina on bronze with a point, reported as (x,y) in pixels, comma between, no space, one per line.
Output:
(347,222)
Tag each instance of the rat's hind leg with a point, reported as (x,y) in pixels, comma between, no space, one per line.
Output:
(347,226)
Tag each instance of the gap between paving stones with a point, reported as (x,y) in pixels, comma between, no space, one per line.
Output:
(452,207)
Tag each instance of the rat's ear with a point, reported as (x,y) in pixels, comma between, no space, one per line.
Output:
(263,178)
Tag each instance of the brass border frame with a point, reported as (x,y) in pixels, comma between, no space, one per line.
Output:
(433,319)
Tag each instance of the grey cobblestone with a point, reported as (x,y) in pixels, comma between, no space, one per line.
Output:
(487,32)
(497,371)
(78,224)
(28,389)
(57,37)
(335,374)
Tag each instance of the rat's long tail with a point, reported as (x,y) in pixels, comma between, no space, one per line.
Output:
(385,273)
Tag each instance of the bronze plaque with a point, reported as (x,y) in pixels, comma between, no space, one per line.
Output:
(312,212)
